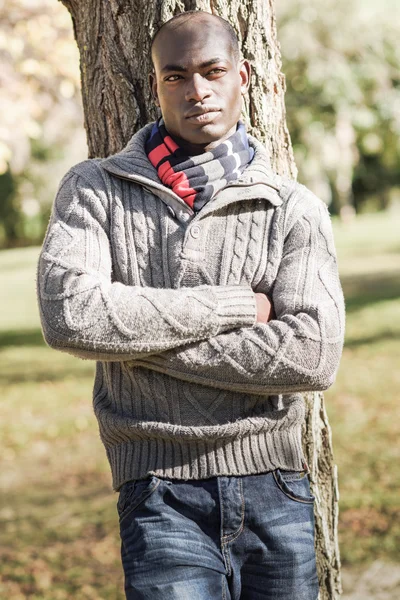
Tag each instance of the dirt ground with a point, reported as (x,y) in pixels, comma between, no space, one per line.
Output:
(380,581)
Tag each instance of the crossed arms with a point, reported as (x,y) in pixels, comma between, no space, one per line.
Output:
(212,335)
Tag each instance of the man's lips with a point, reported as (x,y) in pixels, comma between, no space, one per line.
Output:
(198,111)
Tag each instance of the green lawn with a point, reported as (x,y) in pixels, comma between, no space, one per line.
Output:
(59,533)
(363,405)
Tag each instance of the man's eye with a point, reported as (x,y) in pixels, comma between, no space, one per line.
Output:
(173,78)
(213,71)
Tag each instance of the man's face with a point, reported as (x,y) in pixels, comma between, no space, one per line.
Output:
(198,82)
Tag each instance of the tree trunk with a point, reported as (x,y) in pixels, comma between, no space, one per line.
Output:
(113,37)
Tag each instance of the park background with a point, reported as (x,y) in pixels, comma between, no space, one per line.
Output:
(58,522)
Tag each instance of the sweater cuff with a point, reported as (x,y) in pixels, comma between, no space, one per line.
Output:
(236,307)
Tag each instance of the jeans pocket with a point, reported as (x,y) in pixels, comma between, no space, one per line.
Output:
(134,493)
(295,485)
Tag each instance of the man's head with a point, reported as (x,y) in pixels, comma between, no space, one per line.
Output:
(199,78)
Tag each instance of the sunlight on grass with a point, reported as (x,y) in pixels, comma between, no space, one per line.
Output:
(58,521)
(363,405)
(57,513)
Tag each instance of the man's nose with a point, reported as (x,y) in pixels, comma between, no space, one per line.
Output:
(197,88)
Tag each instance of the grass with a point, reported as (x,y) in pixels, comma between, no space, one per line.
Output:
(363,405)
(58,521)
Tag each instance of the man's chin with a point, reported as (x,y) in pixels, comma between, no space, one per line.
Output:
(205,135)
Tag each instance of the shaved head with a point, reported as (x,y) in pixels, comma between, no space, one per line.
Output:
(192,17)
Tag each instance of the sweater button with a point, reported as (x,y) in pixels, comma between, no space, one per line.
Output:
(184,217)
(195,231)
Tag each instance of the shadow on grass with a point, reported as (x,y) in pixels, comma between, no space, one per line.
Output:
(34,366)
(57,375)
(372,339)
(30,337)
(362,290)
(80,488)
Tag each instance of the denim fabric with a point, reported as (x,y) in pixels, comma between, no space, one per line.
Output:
(230,538)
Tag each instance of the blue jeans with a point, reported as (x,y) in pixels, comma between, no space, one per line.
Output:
(247,538)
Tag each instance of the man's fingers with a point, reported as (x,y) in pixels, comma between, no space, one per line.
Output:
(265,309)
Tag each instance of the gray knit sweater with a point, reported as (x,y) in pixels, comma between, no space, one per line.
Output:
(187,384)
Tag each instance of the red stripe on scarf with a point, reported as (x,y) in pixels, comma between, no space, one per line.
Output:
(158,154)
(177,181)
(171,145)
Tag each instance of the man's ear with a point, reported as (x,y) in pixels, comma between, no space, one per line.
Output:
(244,72)
(153,87)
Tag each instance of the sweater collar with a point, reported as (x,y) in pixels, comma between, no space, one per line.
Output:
(257,181)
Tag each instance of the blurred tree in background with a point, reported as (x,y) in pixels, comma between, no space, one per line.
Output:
(342,63)
(341,59)
(41,118)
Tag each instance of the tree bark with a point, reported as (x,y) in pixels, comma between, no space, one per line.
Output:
(114,38)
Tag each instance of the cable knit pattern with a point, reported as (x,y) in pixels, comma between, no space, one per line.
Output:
(188,385)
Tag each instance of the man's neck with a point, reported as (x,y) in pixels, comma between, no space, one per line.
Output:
(195,149)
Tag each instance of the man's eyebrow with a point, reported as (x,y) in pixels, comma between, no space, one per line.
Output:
(210,62)
(183,69)
(174,68)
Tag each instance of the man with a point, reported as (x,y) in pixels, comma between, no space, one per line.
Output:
(206,288)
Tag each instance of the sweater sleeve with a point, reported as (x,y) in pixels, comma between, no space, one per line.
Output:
(84,312)
(301,348)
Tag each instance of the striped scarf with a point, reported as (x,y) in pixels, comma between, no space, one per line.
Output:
(197,178)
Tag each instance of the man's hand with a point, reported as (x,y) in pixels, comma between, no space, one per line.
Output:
(265,310)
